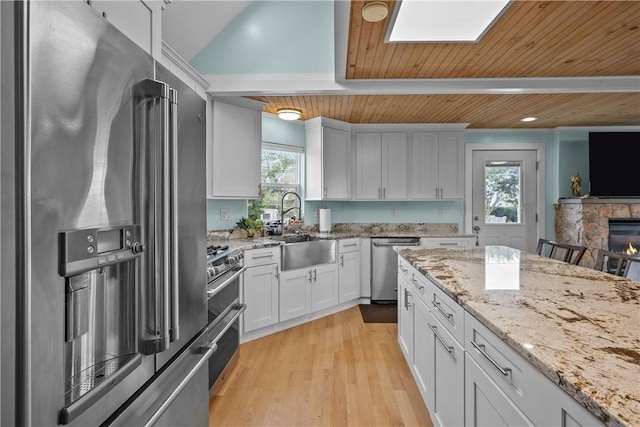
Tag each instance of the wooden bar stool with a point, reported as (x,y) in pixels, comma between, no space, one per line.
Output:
(620,264)
(562,251)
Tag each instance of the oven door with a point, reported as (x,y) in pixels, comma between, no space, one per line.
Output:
(223,301)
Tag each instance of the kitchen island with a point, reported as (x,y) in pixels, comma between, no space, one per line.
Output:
(579,327)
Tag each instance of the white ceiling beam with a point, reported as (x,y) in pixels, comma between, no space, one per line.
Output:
(325,84)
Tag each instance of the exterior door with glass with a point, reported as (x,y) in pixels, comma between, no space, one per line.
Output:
(505,198)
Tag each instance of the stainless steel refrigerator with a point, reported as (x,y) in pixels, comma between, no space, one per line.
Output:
(103,216)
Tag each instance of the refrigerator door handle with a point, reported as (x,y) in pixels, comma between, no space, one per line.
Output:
(154,186)
(165,230)
(174,330)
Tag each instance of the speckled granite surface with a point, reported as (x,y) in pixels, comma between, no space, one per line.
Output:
(584,325)
(346,231)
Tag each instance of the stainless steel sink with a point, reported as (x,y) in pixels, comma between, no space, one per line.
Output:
(307,253)
(293,238)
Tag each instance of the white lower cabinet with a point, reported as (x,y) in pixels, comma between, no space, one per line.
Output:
(324,288)
(485,404)
(307,290)
(466,374)
(438,366)
(405,319)
(349,269)
(261,297)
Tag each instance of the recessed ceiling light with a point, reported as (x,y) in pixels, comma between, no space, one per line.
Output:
(529,119)
(444,21)
(289,113)
(375,11)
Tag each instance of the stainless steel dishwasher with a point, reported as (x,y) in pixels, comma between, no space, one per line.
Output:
(384,267)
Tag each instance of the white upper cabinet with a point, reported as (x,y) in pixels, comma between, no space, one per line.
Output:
(234,154)
(328,160)
(381,165)
(437,170)
(139,20)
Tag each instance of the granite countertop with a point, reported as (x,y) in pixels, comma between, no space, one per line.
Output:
(584,324)
(348,230)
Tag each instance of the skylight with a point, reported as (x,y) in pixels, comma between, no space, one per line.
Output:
(444,20)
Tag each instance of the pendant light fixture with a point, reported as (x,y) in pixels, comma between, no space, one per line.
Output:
(289,113)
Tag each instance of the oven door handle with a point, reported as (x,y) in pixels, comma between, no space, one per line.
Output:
(207,348)
(239,309)
(212,292)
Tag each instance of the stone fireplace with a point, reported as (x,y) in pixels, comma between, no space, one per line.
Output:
(585,222)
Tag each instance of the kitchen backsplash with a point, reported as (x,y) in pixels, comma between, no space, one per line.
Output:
(364,229)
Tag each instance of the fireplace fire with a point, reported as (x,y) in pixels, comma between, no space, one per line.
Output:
(624,235)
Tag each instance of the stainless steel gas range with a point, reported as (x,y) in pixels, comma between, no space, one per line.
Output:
(224,272)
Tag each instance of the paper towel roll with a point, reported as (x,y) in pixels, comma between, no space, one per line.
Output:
(325,220)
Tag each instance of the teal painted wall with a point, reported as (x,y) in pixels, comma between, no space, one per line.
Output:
(238,210)
(279,131)
(573,156)
(273,37)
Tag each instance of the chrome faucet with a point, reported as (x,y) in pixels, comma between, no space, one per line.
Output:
(283,211)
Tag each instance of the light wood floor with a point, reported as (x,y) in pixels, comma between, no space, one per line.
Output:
(334,371)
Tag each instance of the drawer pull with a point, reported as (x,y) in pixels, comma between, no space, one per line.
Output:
(262,256)
(349,244)
(415,282)
(444,313)
(480,347)
(435,332)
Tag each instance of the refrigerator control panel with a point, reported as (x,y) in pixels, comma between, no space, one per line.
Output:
(90,248)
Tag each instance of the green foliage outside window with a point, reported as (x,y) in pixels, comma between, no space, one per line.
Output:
(502,191)
(280,173)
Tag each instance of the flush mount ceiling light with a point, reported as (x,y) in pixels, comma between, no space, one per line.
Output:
(444,21)
(529,119)
(289,113)
(375,11)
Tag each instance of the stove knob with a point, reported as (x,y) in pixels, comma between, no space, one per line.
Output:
(137,248)
(211,272)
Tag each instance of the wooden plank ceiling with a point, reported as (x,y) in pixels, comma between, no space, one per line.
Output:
(531,39)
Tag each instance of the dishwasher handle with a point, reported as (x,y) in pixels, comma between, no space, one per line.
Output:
(380,244)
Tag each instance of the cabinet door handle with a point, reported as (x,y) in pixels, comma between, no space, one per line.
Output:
(435,332)
(325,191)
(436,192)
(277,276)
(379,193)
(407,294)
(444,313)
(480,347)
(309,276)
(342,260)
(384,193)
(315,275)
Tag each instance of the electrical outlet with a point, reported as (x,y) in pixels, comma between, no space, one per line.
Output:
(394,211)
(225,214)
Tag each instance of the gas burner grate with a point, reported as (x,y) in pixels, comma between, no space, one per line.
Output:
(216,249)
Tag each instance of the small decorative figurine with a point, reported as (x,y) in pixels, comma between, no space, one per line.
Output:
(576,186)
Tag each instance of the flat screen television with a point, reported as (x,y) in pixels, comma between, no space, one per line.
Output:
(614,164)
